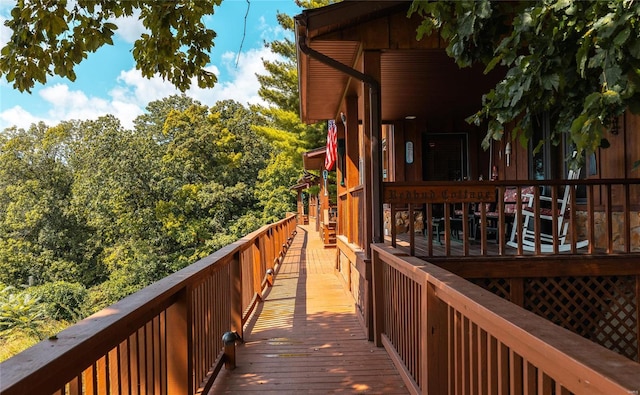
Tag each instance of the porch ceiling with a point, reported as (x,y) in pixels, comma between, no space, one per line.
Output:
(324,87)
(419,82)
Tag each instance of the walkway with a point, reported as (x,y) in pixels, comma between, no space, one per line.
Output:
(306,338)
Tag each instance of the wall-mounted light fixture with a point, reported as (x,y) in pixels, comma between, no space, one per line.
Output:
(409,152)
(507,152)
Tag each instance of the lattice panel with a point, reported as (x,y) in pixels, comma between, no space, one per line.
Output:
(602,309)
(498,286)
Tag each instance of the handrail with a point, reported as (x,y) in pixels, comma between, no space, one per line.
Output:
(455,337)
(165,338)
(612,203)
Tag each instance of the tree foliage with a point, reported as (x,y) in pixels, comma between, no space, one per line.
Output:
(51,37)
(91,212)
(577,60)
(113,210)
(282,125)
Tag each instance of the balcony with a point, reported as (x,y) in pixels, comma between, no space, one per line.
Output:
(441,332)
(474,221)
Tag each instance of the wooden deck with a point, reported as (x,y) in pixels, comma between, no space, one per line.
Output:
(306,338)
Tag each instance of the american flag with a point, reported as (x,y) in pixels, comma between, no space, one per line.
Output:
(332,147)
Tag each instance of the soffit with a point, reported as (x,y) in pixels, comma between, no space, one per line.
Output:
(324,87)
(415,80)
(314,159)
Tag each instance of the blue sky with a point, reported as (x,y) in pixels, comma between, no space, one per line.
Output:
(107,82)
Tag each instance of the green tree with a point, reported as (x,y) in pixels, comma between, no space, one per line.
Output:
(282,126)
(63,300)
(279,88)
(51,37)
(578,60)
(210,166)
(39,236)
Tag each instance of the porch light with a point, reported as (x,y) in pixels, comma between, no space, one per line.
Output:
(507,152)
(410,117)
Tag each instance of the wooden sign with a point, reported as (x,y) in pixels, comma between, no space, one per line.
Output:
(439,194)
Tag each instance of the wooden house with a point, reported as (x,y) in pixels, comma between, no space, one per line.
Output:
(417,178)
(479,271)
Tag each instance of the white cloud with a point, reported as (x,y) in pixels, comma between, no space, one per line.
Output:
(68,104)
(133,92)
(129,28)
(65,104)
(239,84)
(19,117)
(271,32)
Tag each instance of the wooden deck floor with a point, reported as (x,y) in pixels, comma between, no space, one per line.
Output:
(306,338)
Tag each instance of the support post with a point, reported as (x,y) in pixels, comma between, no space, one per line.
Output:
(377,279)
(236,293)
(179,346)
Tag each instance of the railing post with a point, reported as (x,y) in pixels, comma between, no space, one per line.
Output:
(236,293)
(377,278)
(179,339)
(229,342)
(434,349)
(257,264)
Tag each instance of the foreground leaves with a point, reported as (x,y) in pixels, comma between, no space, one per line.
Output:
(577,60)
(52,37)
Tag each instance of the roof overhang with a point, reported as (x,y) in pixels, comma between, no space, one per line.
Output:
(322,87)
(314,159)
(417,78)
(306,181)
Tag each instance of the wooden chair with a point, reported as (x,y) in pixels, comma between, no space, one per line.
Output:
(559,209)
(491,210)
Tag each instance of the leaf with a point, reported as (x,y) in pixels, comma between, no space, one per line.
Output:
(613,74)
(592,100)
(622,37)
(492,64)
(551,81)
(582,55)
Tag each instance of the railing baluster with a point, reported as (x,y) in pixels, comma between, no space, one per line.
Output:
(627,218)
(412,231)
(609,216)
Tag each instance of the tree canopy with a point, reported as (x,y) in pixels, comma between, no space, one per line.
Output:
(51,37)
(577,60)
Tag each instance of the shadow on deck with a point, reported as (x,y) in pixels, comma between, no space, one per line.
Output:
(305,337)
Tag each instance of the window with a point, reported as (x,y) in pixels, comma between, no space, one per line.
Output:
(541,166)
(444,157)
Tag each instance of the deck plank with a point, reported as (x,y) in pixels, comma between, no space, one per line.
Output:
(306,338)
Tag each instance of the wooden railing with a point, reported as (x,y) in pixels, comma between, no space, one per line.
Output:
(448,336)
(164,339)
(604,218)
(351,215)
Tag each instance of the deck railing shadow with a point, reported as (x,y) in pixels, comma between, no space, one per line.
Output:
(158,340)
(447,335)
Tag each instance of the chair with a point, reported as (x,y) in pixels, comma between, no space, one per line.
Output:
(559,209)
(510,198)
